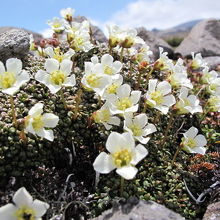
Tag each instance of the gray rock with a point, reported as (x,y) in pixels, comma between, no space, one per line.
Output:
(37,37)
(97,33)
(213,62)
(14,43)
(204,38)
(154,42)
(139,210)
(212,212)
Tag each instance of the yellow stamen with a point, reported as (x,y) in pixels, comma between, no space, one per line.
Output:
(25,213)
(38,122)
(157,96)
(122,158)
(93,80)
(108,70)
(57,77)
(136,129)
(124,103)
(190,142)
(112,88)
(101,116)
(7,79)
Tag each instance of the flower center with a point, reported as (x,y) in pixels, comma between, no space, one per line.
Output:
(7,79)
(122,158)
(38,122)
(124,103)
(190,142)
(136,129)
(93,80)
(108,70)
(25,213)
(57,77)
(58,55)
(112,88)
(101,116)
(56,25)
(157,96)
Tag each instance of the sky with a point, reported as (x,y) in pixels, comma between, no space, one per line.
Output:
(160,14)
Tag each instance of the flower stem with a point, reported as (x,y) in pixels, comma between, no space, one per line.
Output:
(78,101)
(175,155)
(62,98)
(13,111)
(121,54)
(170,122)
(122,186)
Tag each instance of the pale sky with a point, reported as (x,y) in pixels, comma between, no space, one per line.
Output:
(161,14)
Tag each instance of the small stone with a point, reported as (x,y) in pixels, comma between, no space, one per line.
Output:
(212,212)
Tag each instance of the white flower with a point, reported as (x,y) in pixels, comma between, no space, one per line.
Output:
(187,103)
(143,54)
(158,95)
(36,122)
(193,143)
(214,103)
(197,61)
(94,79)
(56,74)
(23,207)
(124,101)
(104,117)
(163,63)
(214,86)
(139,127)
(13,77)
(112,88)
(67,13)
(77,26)
(178,76)
(208,76)
(123,156)
(57,54)
(57,25)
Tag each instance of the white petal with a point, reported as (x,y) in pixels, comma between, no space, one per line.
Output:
(152,85)
(114,142)
(114,121)
(22,78)
(164,109)
(54,88)
(103,163)
(47,134)
(51,65)
(7,212)
(2,68)
(140,153)
(42,77)
(107,126)
(22,197)
(129,141)
(199,150)
(36,109)
(49,51)
(50,120)
(191,133)
(141,120)
(133,108)
(39,207)
(149,129)
(95,59)
(200,140)
(135,96)
(127,172)
(169,100)
(14,65)
(183,93)
(142,139)
(66,66)
(70,81)
(11,90)
(107,59)
(117,65)
(124,91)
(164,87)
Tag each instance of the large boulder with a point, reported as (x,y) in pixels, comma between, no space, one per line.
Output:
(139,210)
(212,212)
(37,37)
(154,42)
(14,43)
(204,38)
(97,33)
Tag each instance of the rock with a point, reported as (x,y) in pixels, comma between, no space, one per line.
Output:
(212,212)
(154,42)
(204,38)
(139,210)
(213,62)
(14,43)
(37,37)
(97,33)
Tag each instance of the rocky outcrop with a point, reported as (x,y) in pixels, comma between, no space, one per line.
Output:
(139,210)
(204,38)
(97,33)
(212,212)
(213,62)
(14,43)
(37,37)
(154,42)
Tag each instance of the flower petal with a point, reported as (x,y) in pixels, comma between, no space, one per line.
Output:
(127,172)
(129,141)
(200,140)
(51,65)
(70,81)
(39,207)
(103,163)
(149,129)
(107,59)
(169,100)
(117,65)
(124,91)
(7,212)
(140,153)
(114,142)
(22,197)
(10,91)
(135,96)
(49,51)
(47,134)
(199,150)
(22,78)
(42,77)
(36,109)
(152,85)
(66,66)
(191,133)
(114,121)
(50,120)
(141,120)
(2,68)
(14,65)
(164,87)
